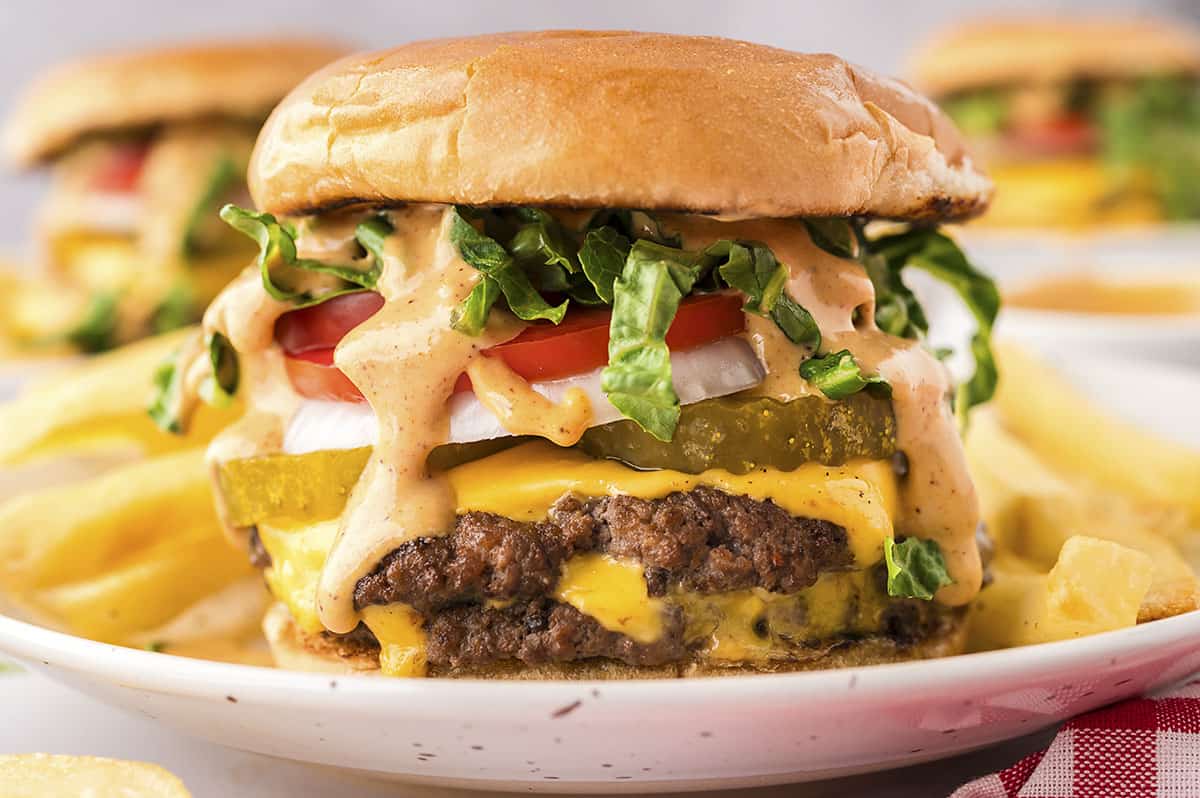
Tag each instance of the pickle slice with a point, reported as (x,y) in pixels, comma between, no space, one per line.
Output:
(301,487)
(736,434)
(741,434)
(314,487)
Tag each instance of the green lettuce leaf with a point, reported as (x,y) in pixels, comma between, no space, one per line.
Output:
(224,176)
(637,379)
(898,312)
(915,568)
(979,113)
(753,269)
(96,331)
(1151,129)
(837,375)
(603,257)
(542,239)
(301,281)
(177,309)
(834,235)
(221,387)
(372,235)
(488,256)
(168,383)
(471,315)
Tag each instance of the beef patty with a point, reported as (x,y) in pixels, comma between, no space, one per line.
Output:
(484,589)
(703,541)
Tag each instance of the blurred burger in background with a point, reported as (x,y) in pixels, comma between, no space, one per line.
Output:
(143,149)
(1084,122)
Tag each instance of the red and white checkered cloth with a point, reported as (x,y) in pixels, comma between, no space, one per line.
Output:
(1141,748)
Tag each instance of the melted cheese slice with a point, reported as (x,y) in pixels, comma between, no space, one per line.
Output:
(612,591)
(524,482)
(1072,192)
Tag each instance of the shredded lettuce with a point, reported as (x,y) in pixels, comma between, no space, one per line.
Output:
(168,383)
(897,311)
(646,296)
(1150,130)
(494,261)
(915,568)
(753,269)
(979,113)
(177,309)
(301,281)
(224,176)
(221,387)
(837,375)
(835,236)
(96,331)
(603,256)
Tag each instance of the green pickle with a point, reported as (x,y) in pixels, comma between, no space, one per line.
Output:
(743,434)
(738,435)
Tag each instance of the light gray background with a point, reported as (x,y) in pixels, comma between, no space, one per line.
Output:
(38,33)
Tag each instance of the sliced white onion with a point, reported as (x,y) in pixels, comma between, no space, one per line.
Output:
(110,211)
(717,369)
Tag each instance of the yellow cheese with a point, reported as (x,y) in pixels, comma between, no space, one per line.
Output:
(1072,192)
(755,624)
(297,556)
(523,482)
(613,592)
(736,626)
(401,638)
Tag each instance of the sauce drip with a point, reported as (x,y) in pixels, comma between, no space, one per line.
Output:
(522,410)
(405,359)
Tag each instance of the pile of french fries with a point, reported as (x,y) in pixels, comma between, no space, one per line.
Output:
(125,546)
(1095,523)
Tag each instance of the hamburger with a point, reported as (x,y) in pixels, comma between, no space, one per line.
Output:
(143,148)
(1083,122)
(581,354)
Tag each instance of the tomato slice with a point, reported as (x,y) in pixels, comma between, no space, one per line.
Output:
(119,174)
(1070,134)
(541,352)
(322,326)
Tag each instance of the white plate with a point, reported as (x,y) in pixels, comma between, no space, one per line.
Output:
(649,735)
(625,736)
(1167,253)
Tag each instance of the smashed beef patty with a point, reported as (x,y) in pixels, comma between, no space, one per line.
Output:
(703,541)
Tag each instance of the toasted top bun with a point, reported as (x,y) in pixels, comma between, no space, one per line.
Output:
(140,89)
(999,52)
(613,119)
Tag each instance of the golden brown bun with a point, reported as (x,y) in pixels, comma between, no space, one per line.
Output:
(613,119)
(140,89)
(293,650)
(999,52)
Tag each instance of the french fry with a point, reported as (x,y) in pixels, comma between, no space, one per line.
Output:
(100,405)
(40,775)
(1031,512)
(1095,586)
(1067,432)
(118,554)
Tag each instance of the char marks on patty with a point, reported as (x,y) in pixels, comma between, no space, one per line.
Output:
(703,540)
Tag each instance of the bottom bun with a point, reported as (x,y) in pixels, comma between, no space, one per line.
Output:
(295,650)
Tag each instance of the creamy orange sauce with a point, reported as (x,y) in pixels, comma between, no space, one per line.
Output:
(938,499)
(1082,293)
(406,359)
(522,410)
